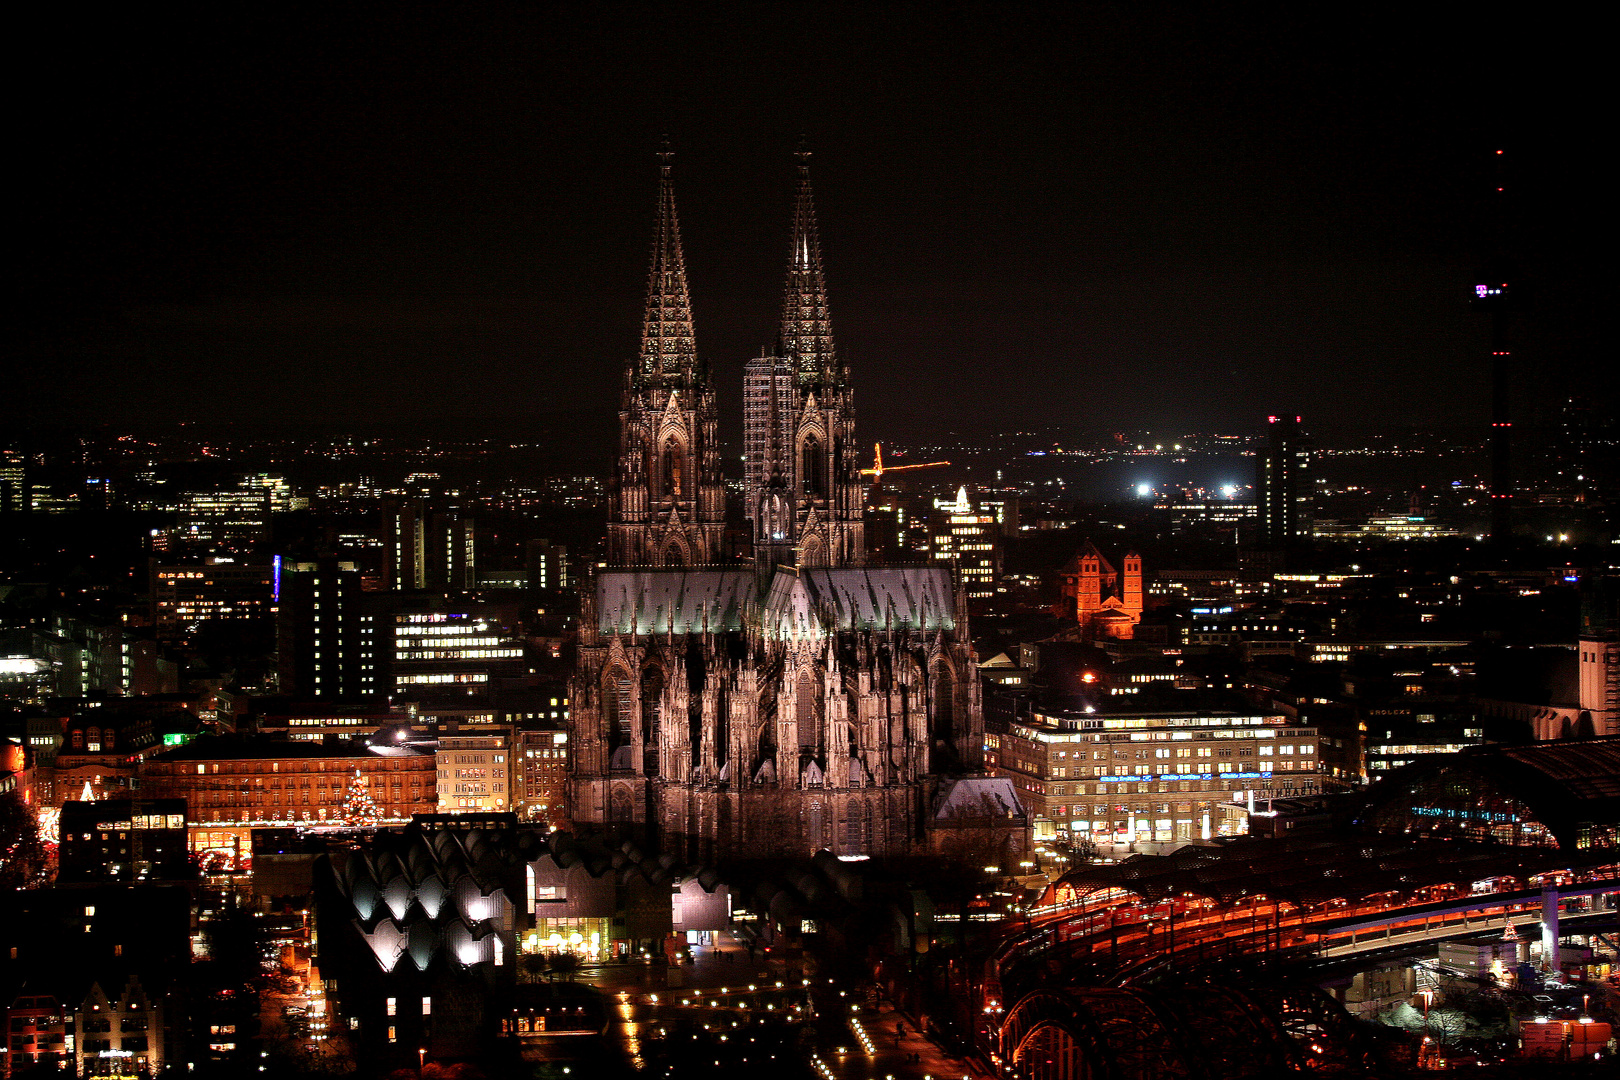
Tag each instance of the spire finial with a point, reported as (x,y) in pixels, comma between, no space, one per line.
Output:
(666,336)
(806,336)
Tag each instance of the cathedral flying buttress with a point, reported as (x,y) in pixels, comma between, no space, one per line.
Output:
(804,700)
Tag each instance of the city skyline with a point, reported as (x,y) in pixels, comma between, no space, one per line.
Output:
(1096,218)
(442,638)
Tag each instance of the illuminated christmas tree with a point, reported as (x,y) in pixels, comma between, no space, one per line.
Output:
(358,806)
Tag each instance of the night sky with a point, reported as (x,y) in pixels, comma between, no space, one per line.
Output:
(1110,216)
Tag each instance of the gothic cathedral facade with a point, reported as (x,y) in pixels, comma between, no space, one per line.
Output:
(801,700)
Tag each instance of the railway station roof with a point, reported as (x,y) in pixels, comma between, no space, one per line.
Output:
(1312,869)
(1564,793)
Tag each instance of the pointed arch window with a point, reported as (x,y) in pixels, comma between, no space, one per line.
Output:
(652,697)
(674,460)
(816,827)
(807,714)
(944,695)
(616,705)
(815,480)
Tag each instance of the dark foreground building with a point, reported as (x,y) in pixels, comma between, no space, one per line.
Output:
(422,932)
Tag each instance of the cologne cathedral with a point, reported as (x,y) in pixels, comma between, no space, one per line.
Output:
(797,701)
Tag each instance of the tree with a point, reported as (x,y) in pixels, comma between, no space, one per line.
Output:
(22,852)
(358,806)
(564,964)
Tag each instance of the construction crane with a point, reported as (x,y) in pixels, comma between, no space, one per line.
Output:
(878,469)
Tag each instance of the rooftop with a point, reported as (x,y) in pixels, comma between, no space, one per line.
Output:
(230,748)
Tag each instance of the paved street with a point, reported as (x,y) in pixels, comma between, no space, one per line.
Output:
(718,983)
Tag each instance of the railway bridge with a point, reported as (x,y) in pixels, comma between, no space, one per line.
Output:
(1195,964)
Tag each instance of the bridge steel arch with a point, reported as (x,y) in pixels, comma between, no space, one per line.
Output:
(1233,1036)
(1241,1027)
(1093,1033)
(1321,1037)
(1049,1035)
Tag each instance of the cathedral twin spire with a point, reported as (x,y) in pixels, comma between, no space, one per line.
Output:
(668,341)
(806,324)
(668,494)
(668,344)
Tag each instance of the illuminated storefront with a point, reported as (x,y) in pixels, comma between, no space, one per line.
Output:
(589,939)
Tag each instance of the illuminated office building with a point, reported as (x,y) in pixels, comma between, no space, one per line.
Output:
(428,547)
(331,639)
(971,539)
(236,519)
(547,565)
(184,596)
(1284,486)
(475,773)
(13,483)
(1122,777)
(451,652)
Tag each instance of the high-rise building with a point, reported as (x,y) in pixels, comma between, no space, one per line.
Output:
(1005,506)
(969,538)
(13,482)
(768,413)
(1284,486)
(330,633)
(184,596)
(101,655)
(439,652)
(1495,295)
(547,565)
(427,547)
(236,519)
(806,701)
